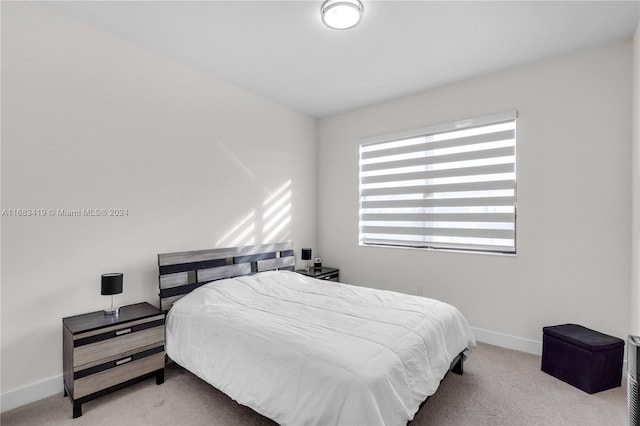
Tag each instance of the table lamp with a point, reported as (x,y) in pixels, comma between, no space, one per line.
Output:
(111,284)
(306,255)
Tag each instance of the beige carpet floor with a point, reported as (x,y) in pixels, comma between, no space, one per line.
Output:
(499,387)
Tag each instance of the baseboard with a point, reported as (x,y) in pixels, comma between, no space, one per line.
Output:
(508,341)
(524,345)
(31,393)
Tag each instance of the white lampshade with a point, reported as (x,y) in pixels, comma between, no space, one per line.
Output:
(341,14)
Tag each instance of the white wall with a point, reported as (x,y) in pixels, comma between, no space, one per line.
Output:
(91,121)
(635,186)
(574,133)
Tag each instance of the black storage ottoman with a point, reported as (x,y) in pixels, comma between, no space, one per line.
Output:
(584,358)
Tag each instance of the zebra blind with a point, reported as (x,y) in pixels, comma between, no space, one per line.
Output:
(449,186)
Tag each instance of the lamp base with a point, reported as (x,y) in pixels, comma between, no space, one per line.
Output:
(112,311)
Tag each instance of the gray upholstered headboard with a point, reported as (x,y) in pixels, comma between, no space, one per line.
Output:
(182,272)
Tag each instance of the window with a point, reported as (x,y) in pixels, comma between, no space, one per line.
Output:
(449,186)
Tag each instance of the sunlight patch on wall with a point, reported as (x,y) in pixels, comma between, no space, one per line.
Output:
(273,225)
(277,214)
(243,229)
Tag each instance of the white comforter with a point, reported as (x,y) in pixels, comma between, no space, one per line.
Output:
(307,352)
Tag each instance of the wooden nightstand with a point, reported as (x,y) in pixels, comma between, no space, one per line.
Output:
(103,353)
(329,274)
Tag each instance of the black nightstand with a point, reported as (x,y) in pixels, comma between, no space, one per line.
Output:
(329,274)
(103,353)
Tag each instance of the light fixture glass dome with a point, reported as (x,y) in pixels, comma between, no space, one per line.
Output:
(341,14)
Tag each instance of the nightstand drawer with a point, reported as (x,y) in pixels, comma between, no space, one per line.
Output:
(125,370)
(131,339)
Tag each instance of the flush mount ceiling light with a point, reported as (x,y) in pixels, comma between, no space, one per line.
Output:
(341,14)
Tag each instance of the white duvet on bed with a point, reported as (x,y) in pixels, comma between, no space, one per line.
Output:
(307,352)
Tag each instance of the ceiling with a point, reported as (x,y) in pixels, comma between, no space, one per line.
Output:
(281,50)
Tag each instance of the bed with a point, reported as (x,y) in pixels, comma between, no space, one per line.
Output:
(303,351)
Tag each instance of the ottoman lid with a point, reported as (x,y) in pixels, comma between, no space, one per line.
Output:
(583,337)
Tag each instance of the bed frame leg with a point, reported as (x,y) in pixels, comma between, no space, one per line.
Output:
(458,366)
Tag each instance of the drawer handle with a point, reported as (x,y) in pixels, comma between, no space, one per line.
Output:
(123,361)
(123,331)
